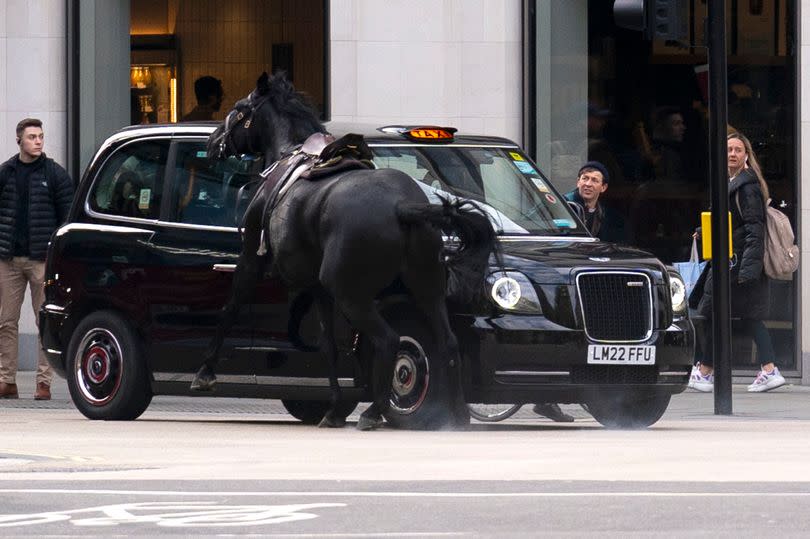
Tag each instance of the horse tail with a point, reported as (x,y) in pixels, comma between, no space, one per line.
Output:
(467,259)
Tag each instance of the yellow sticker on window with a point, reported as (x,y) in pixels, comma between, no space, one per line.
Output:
(516,156)
(143,200)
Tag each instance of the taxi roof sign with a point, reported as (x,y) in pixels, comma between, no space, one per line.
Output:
(420,133)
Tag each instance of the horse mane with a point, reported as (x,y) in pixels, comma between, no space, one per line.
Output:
(288,102)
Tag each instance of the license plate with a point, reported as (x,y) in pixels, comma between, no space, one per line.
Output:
(620,354)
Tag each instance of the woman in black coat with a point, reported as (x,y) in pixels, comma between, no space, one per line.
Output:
(748,196)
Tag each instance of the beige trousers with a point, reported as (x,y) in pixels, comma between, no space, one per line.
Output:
(15,276)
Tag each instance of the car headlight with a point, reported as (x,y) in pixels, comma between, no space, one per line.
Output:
(512,291)
(677,290)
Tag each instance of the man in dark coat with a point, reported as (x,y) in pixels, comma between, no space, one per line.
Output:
(601,221)
(35,198)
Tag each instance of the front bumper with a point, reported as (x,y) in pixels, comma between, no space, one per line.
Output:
(524,359)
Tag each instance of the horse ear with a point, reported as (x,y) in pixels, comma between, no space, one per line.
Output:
(261,84)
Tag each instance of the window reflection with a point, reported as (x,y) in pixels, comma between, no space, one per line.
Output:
(642,109)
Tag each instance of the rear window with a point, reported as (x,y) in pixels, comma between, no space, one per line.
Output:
(131,181)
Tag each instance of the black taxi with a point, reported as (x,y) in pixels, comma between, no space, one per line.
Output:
(137,277)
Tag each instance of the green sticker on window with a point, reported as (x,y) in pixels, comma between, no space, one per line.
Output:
(202,153)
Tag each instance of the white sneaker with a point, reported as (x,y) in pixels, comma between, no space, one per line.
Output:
(765,381)
(700,382)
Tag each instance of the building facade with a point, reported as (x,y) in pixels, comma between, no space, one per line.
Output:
(556,75)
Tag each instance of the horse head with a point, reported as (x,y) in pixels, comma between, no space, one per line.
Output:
(272,120)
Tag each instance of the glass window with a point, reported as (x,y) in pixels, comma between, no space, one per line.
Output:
(641,108)
(518,199)
(212,193)
(131,181)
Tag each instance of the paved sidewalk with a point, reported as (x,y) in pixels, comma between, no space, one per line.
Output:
(790,402)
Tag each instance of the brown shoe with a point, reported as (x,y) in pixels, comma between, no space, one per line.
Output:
(43,392)
(8,391)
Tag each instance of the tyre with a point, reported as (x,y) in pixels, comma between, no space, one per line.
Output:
(491,413)
(420,386)
(106,370)
(634,410)
(311,412)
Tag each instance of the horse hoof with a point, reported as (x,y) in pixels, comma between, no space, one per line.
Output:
(200,385)
(366,423)
(203,383)
(332,422)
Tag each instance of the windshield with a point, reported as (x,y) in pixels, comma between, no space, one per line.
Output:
(516,196)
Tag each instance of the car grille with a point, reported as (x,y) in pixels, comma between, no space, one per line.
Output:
(610,374)
(616,306)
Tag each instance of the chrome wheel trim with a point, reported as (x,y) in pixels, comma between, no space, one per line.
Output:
(411,379)
(98,366)
(492,412)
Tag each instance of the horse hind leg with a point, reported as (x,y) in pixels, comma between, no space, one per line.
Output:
(427,291)
(326,306)
(384,343)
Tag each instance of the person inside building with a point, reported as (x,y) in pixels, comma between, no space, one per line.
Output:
(749,293)
(209,94)
(667,145)
(35,198)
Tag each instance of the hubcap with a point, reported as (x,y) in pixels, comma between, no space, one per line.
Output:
(411,376)
(98,366)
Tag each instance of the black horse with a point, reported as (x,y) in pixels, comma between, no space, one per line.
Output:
(345,238)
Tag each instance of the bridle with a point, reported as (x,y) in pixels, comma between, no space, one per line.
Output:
(241,116)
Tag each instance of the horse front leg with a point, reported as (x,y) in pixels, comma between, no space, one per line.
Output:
(248,271)
(326,307)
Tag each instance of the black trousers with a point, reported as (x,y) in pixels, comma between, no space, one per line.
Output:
(755,329)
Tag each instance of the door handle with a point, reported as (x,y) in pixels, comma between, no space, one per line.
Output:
(226,268)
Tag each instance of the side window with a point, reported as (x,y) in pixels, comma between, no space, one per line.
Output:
(130,183)
(207,192)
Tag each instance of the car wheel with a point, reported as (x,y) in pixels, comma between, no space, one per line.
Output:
(106,371)
(311,412)
(623,410)
(420,387)
(492,413)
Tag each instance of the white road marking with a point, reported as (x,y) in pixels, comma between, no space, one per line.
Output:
(173,515)
(13,462)
(411,494)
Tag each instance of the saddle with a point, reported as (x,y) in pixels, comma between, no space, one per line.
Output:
(318,157)
(346,153)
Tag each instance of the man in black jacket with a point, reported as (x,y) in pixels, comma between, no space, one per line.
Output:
(602,221)
(35,198)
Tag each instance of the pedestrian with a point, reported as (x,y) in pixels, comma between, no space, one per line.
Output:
(35,198)
(209,94)
(748,195)
(601,221)
(592,181)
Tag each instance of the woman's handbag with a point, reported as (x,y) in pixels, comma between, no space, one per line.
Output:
(691,270)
